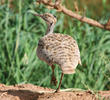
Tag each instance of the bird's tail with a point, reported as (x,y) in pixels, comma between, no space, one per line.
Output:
(68,69)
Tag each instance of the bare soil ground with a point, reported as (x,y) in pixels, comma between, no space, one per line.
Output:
(32,92)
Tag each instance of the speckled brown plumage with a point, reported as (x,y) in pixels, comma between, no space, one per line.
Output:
(59,49)
(56,48)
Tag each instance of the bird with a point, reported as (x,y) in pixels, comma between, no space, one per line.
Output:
(56,48)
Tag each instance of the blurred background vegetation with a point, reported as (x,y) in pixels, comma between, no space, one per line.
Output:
(20,32)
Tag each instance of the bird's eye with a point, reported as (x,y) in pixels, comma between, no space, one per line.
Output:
(51,23)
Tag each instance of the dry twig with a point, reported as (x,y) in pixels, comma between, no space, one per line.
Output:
(57,5)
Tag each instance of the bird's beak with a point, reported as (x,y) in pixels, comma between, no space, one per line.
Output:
(34,13)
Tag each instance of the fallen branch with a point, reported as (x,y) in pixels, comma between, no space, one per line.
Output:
(57,5)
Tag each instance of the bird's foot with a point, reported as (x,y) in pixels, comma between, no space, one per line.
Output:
(54,80)
(57,90)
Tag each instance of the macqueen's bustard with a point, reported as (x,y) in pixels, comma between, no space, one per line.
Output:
(56,48)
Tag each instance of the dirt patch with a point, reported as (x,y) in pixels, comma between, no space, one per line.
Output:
(32,92)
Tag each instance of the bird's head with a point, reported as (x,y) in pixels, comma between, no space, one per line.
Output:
(49,18)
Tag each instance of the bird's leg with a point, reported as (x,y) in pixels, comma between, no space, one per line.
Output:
(57,90)
(53,79)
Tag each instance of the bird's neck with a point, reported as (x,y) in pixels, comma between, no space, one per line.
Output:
(50,28)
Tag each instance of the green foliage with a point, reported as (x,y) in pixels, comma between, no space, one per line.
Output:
(19,35)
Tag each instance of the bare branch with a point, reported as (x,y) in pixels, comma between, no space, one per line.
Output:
(70,13)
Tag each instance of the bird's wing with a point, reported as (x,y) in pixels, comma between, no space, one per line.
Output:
(60,49)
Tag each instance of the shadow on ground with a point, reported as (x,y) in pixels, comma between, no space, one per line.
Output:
(32,92)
